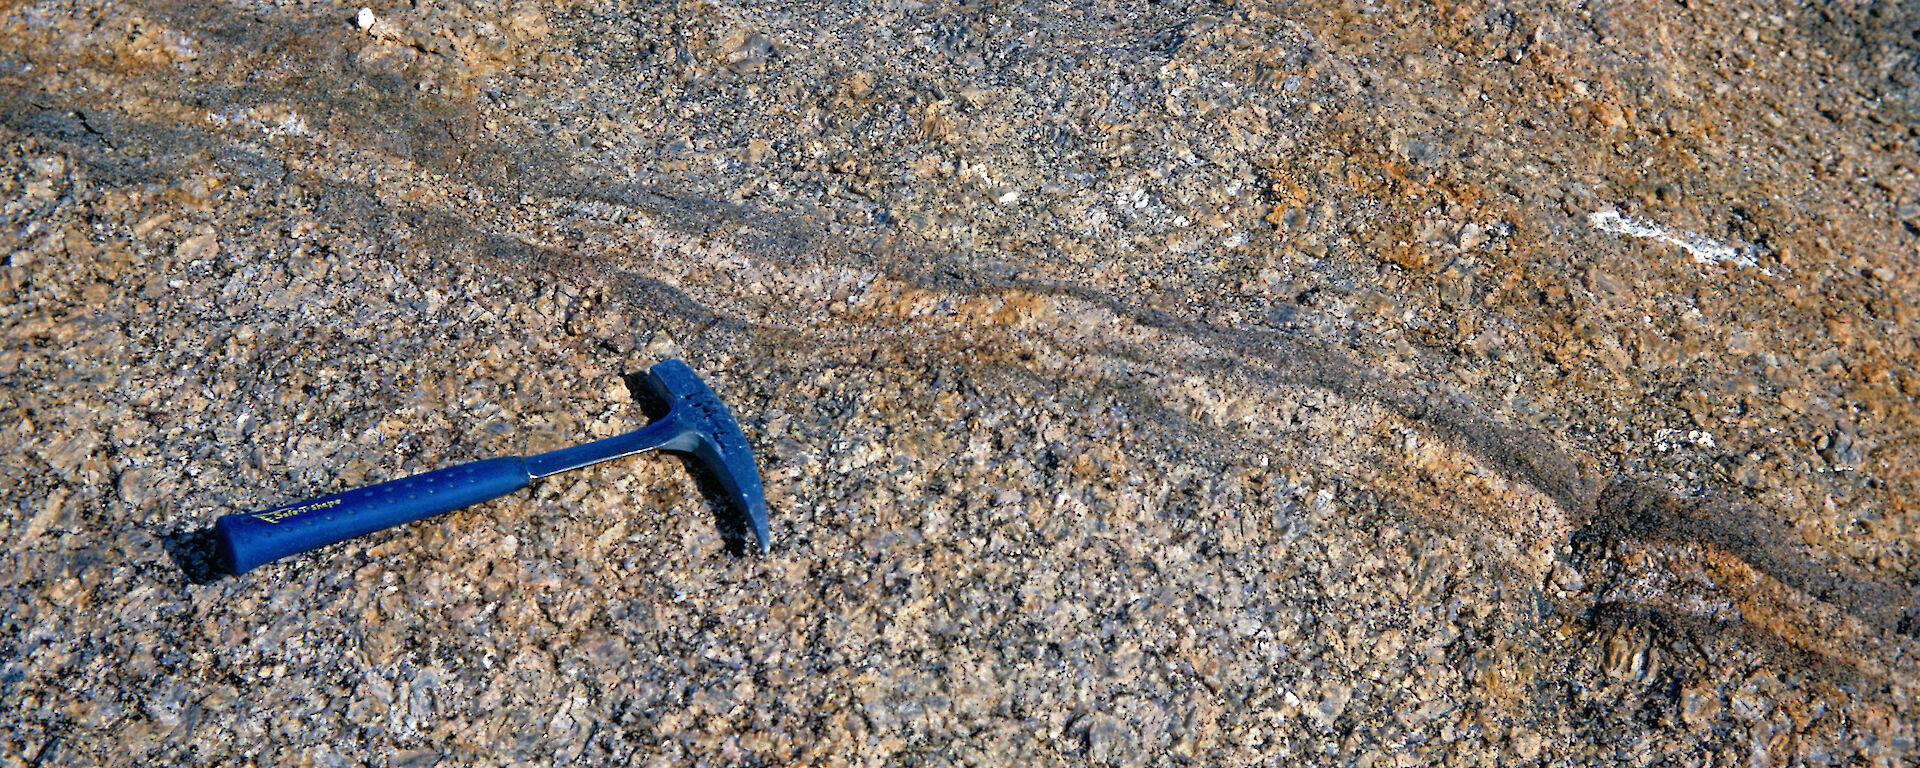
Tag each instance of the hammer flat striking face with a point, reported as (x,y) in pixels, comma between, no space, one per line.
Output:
(696,424)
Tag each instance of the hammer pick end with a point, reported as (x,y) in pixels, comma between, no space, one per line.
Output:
(710,434)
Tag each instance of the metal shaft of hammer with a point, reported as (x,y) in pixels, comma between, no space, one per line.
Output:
(696,424)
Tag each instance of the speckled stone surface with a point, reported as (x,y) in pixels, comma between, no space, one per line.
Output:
(1311,383)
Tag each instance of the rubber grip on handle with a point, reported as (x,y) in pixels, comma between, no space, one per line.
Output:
(247,540)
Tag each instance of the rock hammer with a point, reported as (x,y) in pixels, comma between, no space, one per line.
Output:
(696,424)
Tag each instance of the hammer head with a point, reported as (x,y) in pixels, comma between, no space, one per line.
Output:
(709,433)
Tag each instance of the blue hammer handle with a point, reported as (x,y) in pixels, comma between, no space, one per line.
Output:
(246,541)
(697,423)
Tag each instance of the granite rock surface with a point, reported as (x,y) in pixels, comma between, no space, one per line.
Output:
(1300,383)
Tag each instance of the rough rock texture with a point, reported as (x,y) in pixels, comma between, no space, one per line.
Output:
(1319,382)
